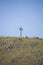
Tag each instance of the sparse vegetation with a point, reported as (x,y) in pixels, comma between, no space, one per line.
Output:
(21,51)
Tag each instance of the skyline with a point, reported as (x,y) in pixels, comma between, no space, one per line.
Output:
(25,13)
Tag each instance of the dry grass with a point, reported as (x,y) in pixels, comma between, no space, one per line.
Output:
(17,51)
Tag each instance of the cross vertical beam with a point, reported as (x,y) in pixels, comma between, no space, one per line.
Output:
(21,31)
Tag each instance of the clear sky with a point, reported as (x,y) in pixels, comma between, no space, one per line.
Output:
(25,13)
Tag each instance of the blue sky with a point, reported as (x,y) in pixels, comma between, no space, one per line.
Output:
(25,13)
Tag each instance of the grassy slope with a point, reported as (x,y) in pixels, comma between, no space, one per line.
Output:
(16,51)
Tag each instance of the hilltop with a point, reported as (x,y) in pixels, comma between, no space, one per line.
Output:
(21,51)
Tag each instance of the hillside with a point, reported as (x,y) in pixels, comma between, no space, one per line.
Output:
(17,51)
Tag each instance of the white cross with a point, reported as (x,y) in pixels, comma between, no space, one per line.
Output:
(21,31)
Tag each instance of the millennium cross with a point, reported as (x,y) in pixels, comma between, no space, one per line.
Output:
(21,31)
